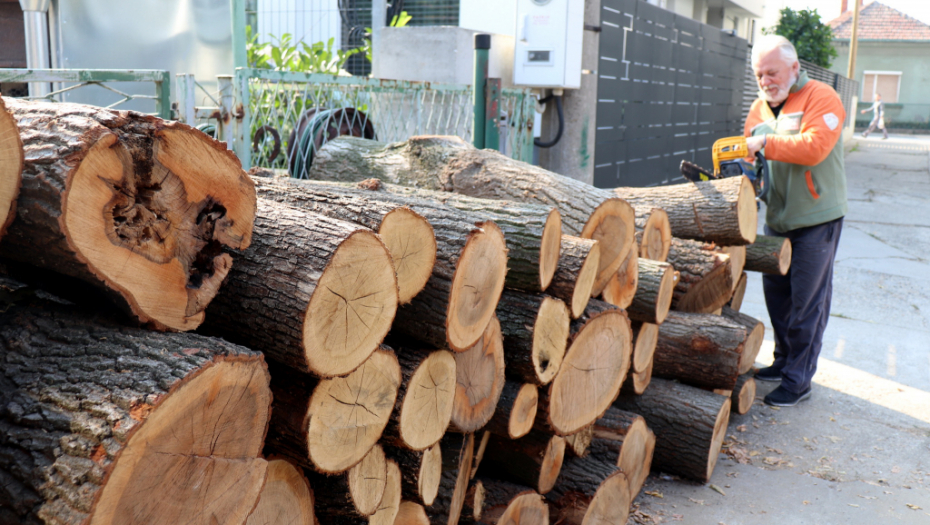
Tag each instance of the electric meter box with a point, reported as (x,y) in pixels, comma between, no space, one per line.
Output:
(547,43)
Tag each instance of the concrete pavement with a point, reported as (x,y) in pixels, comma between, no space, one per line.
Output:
(858,452)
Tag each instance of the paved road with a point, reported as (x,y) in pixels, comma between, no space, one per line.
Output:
(857,453)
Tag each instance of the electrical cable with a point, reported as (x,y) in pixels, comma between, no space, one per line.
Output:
(558,135)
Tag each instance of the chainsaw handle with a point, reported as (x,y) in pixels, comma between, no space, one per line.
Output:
(763,176)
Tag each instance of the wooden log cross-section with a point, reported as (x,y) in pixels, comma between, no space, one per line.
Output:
(623,439)
(577,270)
(480,379)
(705,280)
(508,503)
(516,410)
(653,234)
(535,329)
(645,338)
(425,400)
(654,289)
(11,167)
(143,209)
(755,331)
(769,254)
(421,472)
(354,494)
(622,287)
(591,492)
(105,424)
(285,498)
(534,460)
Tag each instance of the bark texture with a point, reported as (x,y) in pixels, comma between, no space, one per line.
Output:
(769,254)
(736,302)
(702,350)
(705,281)
(654,288)
(755,335)
(516,410)
(534,460)
(535,331)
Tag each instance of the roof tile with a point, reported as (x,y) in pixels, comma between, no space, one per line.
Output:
(880,22)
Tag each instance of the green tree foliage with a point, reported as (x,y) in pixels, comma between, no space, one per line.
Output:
(286,55)
(811,37)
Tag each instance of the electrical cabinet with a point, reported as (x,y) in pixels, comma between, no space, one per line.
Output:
(547,43)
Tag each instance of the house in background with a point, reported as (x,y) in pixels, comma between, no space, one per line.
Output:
(892,59)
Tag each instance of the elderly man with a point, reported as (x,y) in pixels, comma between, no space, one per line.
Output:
(797,123)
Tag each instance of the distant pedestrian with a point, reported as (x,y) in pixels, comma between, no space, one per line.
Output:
(879,108)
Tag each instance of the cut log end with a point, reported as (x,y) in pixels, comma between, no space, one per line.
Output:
(736,302)
(286,497)
(644,347)
(11,167)
(584,286)
(350,413)
(639,380)
(476,286)
(551,464)
(526,509)
(744,394)
(412,244)
(656,236)
(621,289)
(550,338)
(523,414)
(720,430)
(430,475)
(578,268)
(636,455)
(611,502)
(352,307)
(746,211)
(550,247)
(613,225)
(479,380)
(367,481)
(410,513)
(390,503)
(427,406)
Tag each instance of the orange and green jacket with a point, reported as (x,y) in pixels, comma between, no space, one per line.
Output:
(805,155)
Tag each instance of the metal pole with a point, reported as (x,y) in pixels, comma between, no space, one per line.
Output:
(492,118)
(238,33)
(854,41)
(242,122)
(224,127)
(35,18)
(163,96)
(482,46)
(185,86)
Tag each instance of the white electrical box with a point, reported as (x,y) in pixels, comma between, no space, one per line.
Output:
(547,43)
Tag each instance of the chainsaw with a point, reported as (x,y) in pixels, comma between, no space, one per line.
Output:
(729,156)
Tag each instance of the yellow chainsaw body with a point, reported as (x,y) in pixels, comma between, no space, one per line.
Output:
(726,149)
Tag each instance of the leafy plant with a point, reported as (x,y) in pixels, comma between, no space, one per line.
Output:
(811,37)
(283,54)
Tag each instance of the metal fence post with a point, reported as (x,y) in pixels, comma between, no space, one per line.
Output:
(163,96)
(238,33)
(242,118)
(492,118)
(482,45)
(185,87)
(224,131)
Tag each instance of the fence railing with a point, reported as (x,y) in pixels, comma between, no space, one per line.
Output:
(103,78)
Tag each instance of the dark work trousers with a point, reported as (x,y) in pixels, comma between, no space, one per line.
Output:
(799,303)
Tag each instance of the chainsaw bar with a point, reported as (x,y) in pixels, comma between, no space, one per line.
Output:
(695,173)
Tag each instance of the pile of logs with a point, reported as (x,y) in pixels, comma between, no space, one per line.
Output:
(423,333)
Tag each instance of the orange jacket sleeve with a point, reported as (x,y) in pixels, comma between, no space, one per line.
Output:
(816,139)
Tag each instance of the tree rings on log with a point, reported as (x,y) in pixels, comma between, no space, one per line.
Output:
(11,167)
(577,269)
(769,254)
(367,481)
(645,337)
(428,399)
(612,224)
(476,286)
(409,239)
(535,330)
(479,380)
(285,498)
(654,236)
(622,287)
(744,394)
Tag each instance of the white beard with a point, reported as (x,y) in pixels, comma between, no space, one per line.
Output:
(779,96)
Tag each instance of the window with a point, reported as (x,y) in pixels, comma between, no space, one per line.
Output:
(887,83)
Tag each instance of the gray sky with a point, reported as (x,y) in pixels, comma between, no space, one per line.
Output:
(830,9)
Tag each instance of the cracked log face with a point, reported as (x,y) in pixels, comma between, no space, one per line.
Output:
(612,224)
(349,413)
(427,406)
(476,286)
(410,240)
(11,167)
(621,289)
(479,380)
(286,497)
(367,482)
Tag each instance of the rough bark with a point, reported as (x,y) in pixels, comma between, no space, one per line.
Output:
(424,402)
(534,460)
(653,234)
(577,270)
(286,497)
(535,331)
(451,164)
(624,439)
(591,492)
(705,282)
(737,261)
(315,293)
(769,254)
(516,410)
(622,287)
(139,207)
(645,337)
(721,211)
(736,302)
(421,472)
(744,394)
(480,379)
(654,289)
(689,424)
(702,350)
(755,331)
(96,418)
(11,167)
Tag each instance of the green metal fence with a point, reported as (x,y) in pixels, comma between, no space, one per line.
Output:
(282,118)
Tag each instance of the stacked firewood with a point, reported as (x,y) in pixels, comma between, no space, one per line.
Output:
(424,333)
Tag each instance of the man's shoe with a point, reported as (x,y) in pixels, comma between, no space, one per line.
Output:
(781,397)
(769,374)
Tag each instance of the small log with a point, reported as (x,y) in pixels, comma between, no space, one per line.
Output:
(516,410)
(410,513)
(706,282)
(654,289)
(457,457)
(721,211)
(11,167)
(294,255)
(579,442)
(591,493)
(535,331)
(329,425)
(637,382)
(624,439)
(702,350)
(622,287)
(98,417)
(577,270)
(645,337)
(479,382)
(285,498)
(534,460)
(421,472)
(424,402)
(744,394)
(653,234)
(512,504)
(736,302)
(769,254)
(755,331)
(689,424)
(138,207)
(473,507)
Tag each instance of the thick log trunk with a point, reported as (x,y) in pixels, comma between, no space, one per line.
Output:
(421,472)
(479,381)
(769,254)
(721,211)
(451,164)
(624,439)
(535,331)
(352,495)
(705,282)
(139,207)
(458,452)
(97,418)
(591,492)
(577,270)
(645,337)
(507,503)
(11,167)
(534,460)
(755,331)
(593,370)
(654,289)
(689,424)
(331,282)
(622,287)
(407,235)
(702,350)
(736,302)
(637,382)
(329,425)
(653,234)
(424,402)
(286,497)
(516,410)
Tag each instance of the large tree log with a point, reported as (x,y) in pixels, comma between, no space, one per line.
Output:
(458,452)
(286,497)
(315,293)
(622,287)
(769,254)
(11,167)
(139,207)
(479,381)
(421,472)
(736,302)
(534,460)
(354,494)
(654,289)
(705,282)
(721,211)
(755,331)
(577,270)
(98,418)
(424,402)
(407,235)
(591,492)
(645,337)
(535,331)
(624,439)
(689,424)
(516,410)
(451,164)
(592,372)
(329,425)
(653,234)
(507,503)
(702,350)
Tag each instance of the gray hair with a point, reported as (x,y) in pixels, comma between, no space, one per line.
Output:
(768,43)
